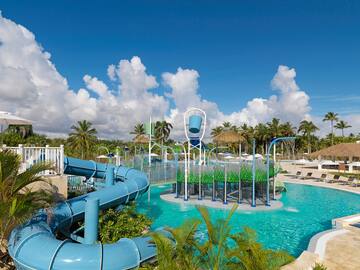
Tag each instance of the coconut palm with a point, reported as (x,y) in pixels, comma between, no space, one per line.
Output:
(162,132)
(17,200)
(216,131)
(227,125)
(82,137)
(332,117)
(342,125)
(139,129)
(262,135)
(307,128)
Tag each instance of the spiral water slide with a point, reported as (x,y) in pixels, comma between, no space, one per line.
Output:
(34,245)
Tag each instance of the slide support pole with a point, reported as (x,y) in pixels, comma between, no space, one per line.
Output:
(91,220)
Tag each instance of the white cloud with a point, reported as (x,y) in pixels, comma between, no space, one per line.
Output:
(31,87)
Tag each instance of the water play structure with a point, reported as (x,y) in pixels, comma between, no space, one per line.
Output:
(34,245)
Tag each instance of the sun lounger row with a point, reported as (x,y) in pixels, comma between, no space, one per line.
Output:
(336,178)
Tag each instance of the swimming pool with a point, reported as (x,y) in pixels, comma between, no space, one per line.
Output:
(306,211)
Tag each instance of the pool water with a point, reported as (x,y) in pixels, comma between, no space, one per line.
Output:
(306,211)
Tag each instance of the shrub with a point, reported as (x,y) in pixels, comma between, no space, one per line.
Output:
(126,223)
(319,266)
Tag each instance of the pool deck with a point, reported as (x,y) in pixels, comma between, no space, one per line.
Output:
(337,248)
(245,206)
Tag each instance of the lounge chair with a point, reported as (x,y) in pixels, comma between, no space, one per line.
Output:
(307,176)
(348,181)
(355,182)
(335,179)
(298,174)
(322,177)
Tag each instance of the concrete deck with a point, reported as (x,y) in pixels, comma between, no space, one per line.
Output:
(170,197)
(337,249)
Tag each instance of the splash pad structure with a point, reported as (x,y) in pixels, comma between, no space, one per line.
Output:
(241,181)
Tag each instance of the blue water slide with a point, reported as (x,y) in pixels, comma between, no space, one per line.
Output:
(34,245)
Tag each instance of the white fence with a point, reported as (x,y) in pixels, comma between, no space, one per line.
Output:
(32,155)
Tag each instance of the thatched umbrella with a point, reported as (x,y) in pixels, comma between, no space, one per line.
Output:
(228,136)
(141,139)
(342,150)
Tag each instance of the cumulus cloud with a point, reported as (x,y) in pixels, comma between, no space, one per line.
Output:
(31,87)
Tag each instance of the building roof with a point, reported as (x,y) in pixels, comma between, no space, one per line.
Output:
(228,136)
(339,150)
(7,118)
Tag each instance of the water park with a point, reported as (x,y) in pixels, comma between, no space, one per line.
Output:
(288,210)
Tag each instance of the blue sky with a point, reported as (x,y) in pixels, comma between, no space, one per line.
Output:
(236,46)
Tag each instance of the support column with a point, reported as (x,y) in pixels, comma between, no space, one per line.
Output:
(253,200)
(109,177)
(91,220)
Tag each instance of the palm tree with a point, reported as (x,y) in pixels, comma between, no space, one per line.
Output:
(17,200)
(213,250)
(262,135)
(82,137)
(162,132)
(342,125)
(332,117)
(248,254)
(307,128)
(139,129)
(183,250)
(177,252)
(216,131)
(227,125)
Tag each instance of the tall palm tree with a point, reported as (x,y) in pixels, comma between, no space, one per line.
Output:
(227,125)
(17,200)
(162,132)
(274,128)
(216,131)
(139,129)
(307,128)
(332,117)
(82,137)
(262,135)
(342,125)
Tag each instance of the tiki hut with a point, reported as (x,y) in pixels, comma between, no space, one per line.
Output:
(141,139)
(343,156)
(228,137)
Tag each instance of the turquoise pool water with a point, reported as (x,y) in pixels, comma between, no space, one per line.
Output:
(307,210)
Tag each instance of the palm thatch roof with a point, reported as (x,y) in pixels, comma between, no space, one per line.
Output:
(339,150)
(228,136)
(141,139)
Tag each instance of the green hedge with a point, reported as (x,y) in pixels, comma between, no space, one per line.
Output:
(232,176)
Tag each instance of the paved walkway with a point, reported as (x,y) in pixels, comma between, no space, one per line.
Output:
(341,252)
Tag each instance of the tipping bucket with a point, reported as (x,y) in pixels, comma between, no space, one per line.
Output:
(195,123)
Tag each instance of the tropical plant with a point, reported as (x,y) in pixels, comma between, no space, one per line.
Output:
(319,266)
(162,132)
(342,125)
(126,223)
(248,254)
(213,251)
(332,117)
(184,250)
(177,252)
(216,131)
(307,128)
(17,200)
(82,138)
(139,129)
